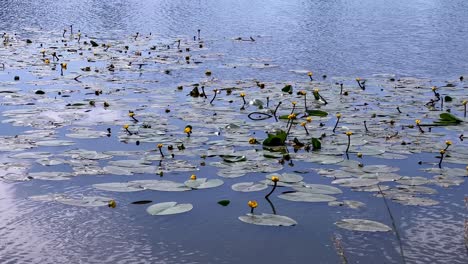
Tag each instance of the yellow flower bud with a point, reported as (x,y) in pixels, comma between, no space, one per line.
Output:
(252,141)
(274,178)
(125,126)
(338,115)
(358,79)
(309,73)
(294,102)
(193,177)
(303,124)
(448,142)
(112,204)
(160,146)
(442,151)
(417,121)
(433,88)
(131,114)
(349,133)
(242,94)
(464,102)
(359,155)
(63,65)
(292,116)
(252,204)
(46,61)
(187,130)
(316,90)
(309,119)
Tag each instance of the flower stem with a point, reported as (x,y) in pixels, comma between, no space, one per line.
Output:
(276,109)
(305,101)
(160,151)
(341,88)
(349,143)
(272,190)
(214,96)
(420,128)
(251,210)
(337,121)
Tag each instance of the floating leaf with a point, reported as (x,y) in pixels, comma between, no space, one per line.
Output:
(316,143)
(318,113)
(203,183)
(306,197)
(287,89)
(268,220)
(168,208)
(362,225)
(224,202)
(277,139)
(249,187)
(231,158)
(142,202)
(118,187)
(318,188)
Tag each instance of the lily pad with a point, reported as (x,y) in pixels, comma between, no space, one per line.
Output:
(168,208)
(204,183)
(362,225)
(268,220)
(249,187)
(306,197)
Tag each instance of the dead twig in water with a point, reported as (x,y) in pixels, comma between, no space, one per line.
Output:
(397,234)
(339,249)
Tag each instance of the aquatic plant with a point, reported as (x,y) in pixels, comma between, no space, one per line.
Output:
(338,117)
(252,204)
(275,180)
(348,133)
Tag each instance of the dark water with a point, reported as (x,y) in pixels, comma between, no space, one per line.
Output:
(424,38)
(337,38)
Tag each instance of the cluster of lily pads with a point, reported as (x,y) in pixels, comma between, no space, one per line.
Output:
(77,87)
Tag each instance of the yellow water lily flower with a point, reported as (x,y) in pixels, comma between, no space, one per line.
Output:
(338,115)
(309,74)
(131,114)
(349,133)
(242,94)
(448,142)
(309,119)
(464,102)
(125,126)
(252,141)
(160,146)
(193,177)
(63,65)
(417,121)
(112,204)
(187,130)
(252,204)
(442,151)
(274,178)
(303,124)
(294,103)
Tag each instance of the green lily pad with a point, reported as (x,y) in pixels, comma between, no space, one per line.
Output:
(362,225)
(268,220)
(249,187)
(203,183)
(168,208)
(306,197)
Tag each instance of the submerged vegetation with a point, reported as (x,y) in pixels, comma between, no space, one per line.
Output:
(75,88)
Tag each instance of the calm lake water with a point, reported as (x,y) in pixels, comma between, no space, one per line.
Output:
(421,38)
